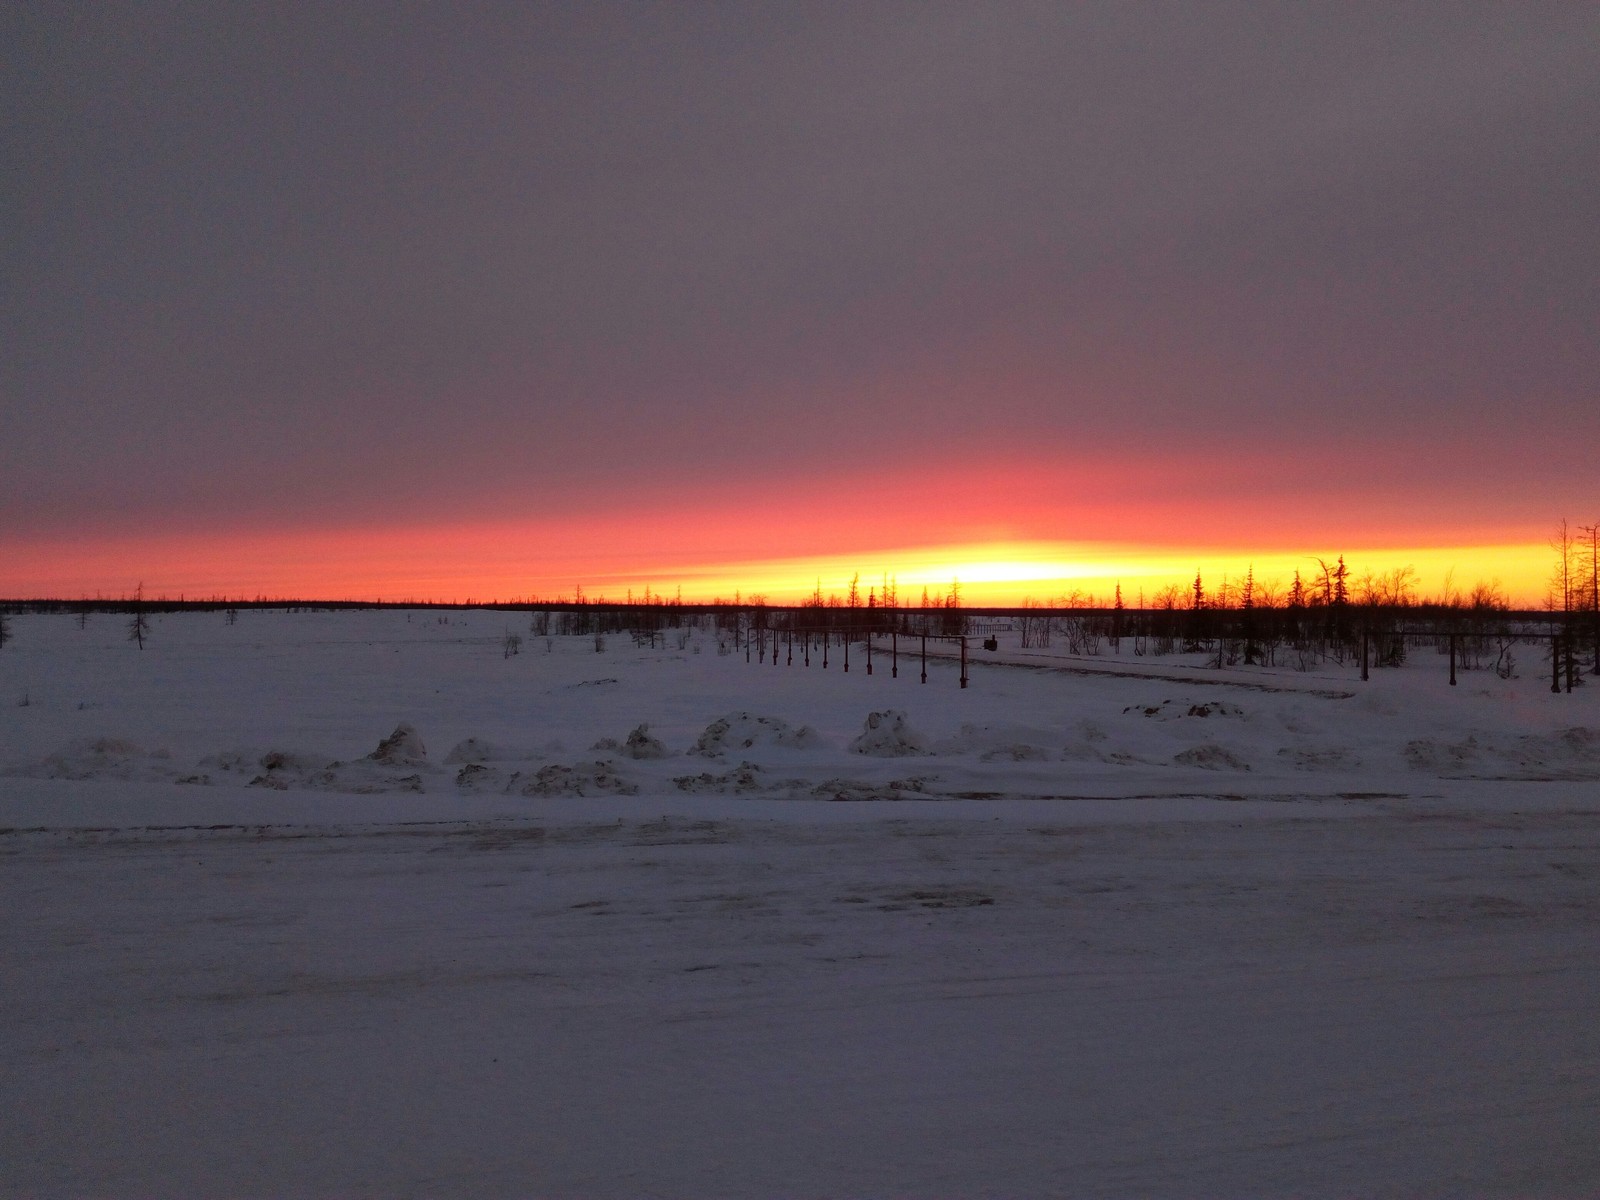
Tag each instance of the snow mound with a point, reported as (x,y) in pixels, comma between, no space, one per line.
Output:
(106,758)
(580,779)
(1210,757)
(1175,710)
(638,744)
(1565,754)
(741,780)
(860,790)
(341,778)
(741,731)
(1573,752)
(475,777)
(397,765)
(232,760)
(284,760)
(887,735)
(641,745)
(403,747)
(1431,754)
(1214,708)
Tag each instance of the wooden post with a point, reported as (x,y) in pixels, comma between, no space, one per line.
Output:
(808,648)
(1364,675)
(869,651)
(1452,660)
(827,636)
(789,662)
(924,658)
(894,654)
(847,652)
(963,661)
(1555,663)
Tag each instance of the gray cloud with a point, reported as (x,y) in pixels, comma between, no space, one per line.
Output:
(361,258)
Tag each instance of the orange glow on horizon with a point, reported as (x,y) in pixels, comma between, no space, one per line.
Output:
(511,561)
(1008,527)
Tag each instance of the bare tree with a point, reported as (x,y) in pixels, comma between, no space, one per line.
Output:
(1591,534)
(1247,606)
(138,623)
(1564,596)
(1560,592)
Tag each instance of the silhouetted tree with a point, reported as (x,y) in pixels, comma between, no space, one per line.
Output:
(1247,622)
(955,622)
(1591,533)
(138,623)
(1196,634)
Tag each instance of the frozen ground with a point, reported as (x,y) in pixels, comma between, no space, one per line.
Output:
(1056,934)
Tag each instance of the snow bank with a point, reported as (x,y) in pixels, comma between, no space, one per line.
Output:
(742,731)
(887,734)
(403,747)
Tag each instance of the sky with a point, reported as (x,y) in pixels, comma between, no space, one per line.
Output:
(472,300)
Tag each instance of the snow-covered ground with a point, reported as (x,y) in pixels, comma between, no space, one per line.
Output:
(351,903)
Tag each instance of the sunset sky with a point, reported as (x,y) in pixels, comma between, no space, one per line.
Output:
(495,300)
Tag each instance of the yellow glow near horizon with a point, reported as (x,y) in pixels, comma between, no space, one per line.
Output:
(509,561)
(1008,574)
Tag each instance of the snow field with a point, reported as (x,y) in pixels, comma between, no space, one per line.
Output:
(664,923)
(305,701)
